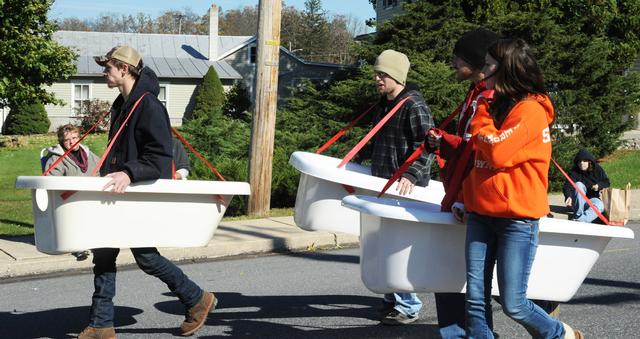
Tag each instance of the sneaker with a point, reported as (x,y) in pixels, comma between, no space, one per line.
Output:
(385,308)
(396,318)
(97,333)
(197,314)
(570,333)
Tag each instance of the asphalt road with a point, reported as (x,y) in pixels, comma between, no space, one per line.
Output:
(297,295)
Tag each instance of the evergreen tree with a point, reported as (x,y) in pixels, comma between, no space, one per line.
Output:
(238,102)
(210,98)
(313,35)
(585,48)
(27,119)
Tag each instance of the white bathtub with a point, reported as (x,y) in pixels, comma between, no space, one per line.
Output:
(409,246)
(320,192)
(161,213)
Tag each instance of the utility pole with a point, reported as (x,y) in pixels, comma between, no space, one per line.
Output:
(264,119)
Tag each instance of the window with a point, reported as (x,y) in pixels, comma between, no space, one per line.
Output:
(81,97)
(253,55)
(163,94)
(389,3)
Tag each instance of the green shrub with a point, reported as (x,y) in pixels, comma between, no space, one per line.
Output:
(224,142)
(210,98)
(238,102)
(27,119)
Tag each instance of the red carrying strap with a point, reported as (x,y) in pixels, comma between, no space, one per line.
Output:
(186,143)
(371,133)
(213,169)
(584,196)
(416,154)
(115,136)
(368,137)
(74,145)
(65,195)
(451,193)
(343,131)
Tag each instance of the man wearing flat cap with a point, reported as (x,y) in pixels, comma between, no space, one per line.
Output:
(392,145)
(141,152)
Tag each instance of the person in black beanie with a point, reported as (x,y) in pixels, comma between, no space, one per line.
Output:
(467,63)
(472,46)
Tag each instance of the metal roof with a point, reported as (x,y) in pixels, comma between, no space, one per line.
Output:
(169,55)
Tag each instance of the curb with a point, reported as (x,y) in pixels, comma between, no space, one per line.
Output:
(22,260)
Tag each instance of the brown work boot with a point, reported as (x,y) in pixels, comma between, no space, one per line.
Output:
(97,333)
(197,314)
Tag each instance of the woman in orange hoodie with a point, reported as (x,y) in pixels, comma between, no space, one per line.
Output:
(505,193)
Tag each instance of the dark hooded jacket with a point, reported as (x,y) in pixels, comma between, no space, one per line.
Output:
(143,148)
(594,175)
(400,136)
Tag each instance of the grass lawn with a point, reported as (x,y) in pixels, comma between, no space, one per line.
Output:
(623,167)
(15,205)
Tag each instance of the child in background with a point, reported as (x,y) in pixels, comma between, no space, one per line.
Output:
(591,179)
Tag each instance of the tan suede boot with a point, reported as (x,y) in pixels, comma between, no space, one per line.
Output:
(97,333)
(570,333)
(197,314)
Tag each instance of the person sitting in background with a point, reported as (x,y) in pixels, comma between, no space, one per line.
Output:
(590,178)
(79,162)
(180,160)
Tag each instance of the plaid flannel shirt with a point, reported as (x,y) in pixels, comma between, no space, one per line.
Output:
(400,136)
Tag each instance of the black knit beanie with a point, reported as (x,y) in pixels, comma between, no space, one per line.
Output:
(473,45)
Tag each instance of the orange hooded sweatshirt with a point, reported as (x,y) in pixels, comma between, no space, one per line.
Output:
(509,178)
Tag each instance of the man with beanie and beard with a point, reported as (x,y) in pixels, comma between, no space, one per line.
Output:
(392,145)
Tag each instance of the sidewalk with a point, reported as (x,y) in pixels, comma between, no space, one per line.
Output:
(19,257)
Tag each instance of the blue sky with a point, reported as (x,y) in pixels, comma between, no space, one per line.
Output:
(86,9)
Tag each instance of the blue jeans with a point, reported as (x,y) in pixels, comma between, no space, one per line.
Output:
(581,209)
(406,303)
(152,263)
(511,244)
(451,319)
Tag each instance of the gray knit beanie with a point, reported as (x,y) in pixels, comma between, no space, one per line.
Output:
(394,64)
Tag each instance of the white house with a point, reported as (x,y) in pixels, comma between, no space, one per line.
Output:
(180,61)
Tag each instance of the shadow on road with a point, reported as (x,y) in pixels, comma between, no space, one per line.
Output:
(249,316)
(612,283)
(261,329)
(609,299)
(325,256)
(56,323)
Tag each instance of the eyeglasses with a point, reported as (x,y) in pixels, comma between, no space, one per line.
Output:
(380,75)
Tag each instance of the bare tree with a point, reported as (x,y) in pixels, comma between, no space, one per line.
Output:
(73,24)
(239,21)
(355,26)
(106,23)
(310,33)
